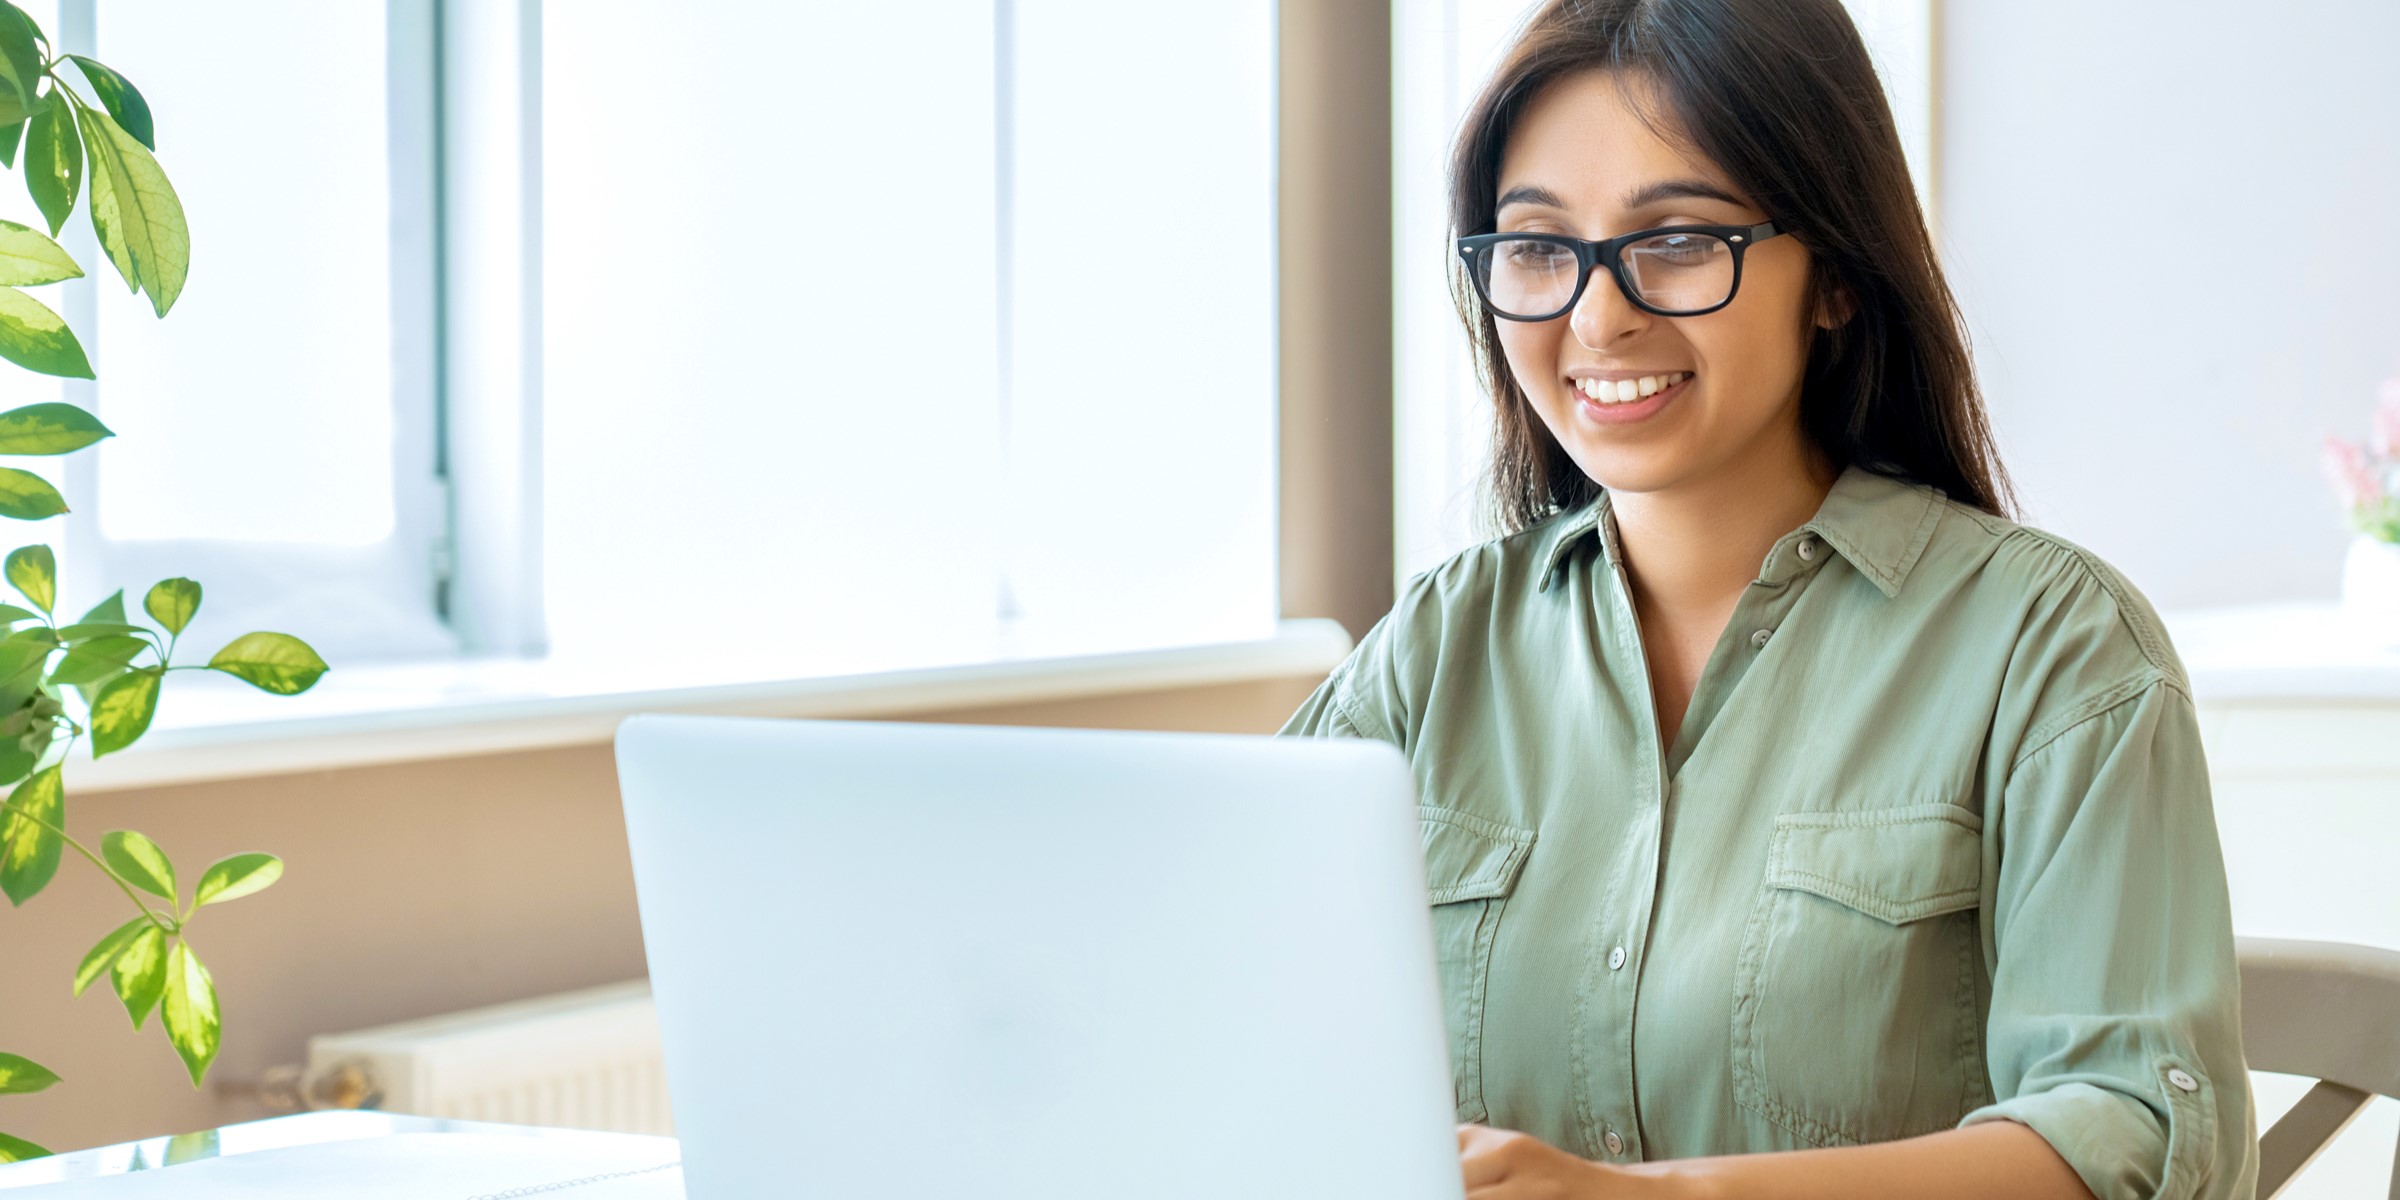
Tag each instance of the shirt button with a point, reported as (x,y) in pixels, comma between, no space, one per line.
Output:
(1616,959)
(1758,641)
(2182,1079)
(1615,1144)
(1808,549)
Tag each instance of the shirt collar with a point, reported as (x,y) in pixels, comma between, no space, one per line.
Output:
(1879,524)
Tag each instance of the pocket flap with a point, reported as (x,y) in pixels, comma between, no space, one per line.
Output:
(1468,857)
(1896,865)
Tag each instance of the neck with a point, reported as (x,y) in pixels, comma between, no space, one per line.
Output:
(1692,548)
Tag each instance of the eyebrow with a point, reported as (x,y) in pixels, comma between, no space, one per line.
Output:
(1641,197)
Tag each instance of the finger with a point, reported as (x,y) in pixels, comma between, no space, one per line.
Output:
(1483,1155)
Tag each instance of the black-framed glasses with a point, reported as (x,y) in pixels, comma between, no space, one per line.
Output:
(1673,271)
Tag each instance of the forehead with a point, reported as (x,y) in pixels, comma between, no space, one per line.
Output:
(1584,138)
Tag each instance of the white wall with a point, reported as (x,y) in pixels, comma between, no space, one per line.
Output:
(2114,174)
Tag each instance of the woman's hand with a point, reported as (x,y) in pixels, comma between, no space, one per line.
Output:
(1500,1164)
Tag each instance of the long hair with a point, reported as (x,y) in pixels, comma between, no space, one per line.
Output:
(1782,96)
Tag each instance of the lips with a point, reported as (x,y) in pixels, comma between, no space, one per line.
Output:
(1623,412)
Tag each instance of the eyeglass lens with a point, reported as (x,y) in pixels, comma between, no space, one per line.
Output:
(1675,272)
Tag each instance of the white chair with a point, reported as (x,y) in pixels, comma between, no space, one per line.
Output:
(2330,1012)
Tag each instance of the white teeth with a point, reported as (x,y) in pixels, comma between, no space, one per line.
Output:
(1620,391)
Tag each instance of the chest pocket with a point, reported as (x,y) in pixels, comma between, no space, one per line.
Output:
(1854,996)
(1471,866)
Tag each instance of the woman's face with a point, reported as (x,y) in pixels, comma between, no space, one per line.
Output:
(1580,161)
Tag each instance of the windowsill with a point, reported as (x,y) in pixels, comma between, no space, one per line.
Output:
(2285,653)
(212,727)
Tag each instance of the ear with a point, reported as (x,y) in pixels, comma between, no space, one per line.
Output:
(1835,305)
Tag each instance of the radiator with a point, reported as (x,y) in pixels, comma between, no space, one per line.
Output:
(581,1060)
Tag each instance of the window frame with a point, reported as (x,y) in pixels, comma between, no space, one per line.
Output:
(351,603)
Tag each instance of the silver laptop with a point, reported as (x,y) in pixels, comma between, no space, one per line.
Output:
(948,960)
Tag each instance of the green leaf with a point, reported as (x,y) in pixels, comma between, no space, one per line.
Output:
(140,861)
(235,877)
(95,662)
(12,11)
(104,953)
(28,258)
(132,113)
(54,161)
(192,1147)
(26,496)
(9,138)
(50,428)
(91,691)
(14,1149)
(140,973)
(20,51)
(37,339)
(173,603)
(274,662)
(10,614)
(193,1023)
(111,610)
(29,850)
(135,212)
(33,570)
(123,712)
(21,1076)
(84,631)
(16,761)
(22,656)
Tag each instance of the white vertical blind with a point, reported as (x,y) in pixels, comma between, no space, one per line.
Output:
(902,325)
(769,343)
(261,408)
(1142,391)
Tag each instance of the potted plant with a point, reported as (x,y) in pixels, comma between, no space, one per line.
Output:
(97,142)
(2366,479)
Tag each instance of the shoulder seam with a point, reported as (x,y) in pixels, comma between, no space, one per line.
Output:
(2092,708)
(2128,614)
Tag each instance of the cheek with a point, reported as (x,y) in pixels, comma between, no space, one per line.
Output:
(1756,351)
(1531,352)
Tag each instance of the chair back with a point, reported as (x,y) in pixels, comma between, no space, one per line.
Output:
(2330,1012)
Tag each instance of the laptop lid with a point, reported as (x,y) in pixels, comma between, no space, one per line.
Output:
(963,960)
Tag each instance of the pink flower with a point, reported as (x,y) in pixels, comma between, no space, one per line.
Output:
(2384,436)
(2353,478)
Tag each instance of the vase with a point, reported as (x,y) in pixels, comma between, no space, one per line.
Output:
(2371,587)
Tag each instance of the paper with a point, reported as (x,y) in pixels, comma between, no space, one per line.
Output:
(417,1166)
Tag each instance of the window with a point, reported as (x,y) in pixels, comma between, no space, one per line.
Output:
(968,321)
(276,431)
(887,329)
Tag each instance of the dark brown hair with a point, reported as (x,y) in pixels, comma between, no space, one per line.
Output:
(1782,96)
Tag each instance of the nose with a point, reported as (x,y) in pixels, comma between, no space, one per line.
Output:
(1603,315)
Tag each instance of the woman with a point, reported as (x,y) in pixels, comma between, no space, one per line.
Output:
(1779,793)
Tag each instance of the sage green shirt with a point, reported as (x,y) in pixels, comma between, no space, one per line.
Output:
(1933,847)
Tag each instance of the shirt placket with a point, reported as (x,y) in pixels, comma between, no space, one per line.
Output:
(1603,1064)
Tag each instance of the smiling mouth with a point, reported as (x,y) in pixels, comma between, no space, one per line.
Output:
(1627,391)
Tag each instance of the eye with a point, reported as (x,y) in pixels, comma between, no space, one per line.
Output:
(1535,254)
(1679,249)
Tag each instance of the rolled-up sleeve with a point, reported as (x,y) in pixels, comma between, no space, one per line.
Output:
(2115,1026)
